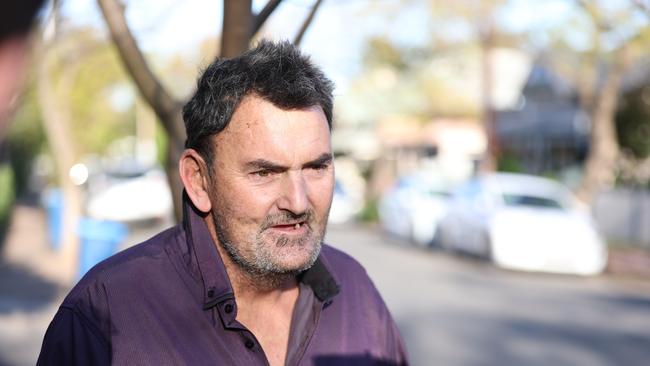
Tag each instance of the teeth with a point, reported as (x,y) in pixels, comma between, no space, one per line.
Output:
(297,226)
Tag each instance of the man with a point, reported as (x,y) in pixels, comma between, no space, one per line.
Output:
(245,279)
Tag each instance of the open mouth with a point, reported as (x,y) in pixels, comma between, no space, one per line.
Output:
(296,226)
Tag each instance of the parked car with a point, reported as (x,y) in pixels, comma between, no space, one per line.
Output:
(345,206)
(523,222)
(130,193)
(412,208)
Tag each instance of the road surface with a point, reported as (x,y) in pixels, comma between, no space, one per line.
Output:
(462,311)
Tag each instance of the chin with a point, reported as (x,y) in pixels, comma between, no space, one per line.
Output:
(297,259)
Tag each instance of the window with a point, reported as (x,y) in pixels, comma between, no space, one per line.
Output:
(532,201)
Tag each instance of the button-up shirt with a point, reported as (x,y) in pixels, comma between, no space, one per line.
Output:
(169,301)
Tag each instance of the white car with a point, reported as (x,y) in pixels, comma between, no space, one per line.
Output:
(412,208)
(523,222)
(131,195)
(344,205)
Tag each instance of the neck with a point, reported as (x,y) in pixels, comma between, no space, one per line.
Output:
(252,286)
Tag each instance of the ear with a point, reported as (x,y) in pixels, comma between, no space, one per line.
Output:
(194,174)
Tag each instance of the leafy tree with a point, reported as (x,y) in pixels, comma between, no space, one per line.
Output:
(616,41)
(6,199)
(633,122)
(74,76)
(633,131)
(26,140)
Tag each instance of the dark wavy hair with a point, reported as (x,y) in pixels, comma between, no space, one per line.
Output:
(275,71)
(17,17)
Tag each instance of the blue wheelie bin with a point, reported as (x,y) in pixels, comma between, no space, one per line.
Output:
(99,240)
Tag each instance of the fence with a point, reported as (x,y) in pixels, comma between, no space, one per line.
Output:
(623,215)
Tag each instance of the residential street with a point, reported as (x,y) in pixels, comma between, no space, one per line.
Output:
(460,311)
(451,310)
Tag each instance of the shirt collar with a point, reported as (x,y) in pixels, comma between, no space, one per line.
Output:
(319,278)
(216,284)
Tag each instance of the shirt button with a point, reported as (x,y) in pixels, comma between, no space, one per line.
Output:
(228,308)
(249,344)
(211,292)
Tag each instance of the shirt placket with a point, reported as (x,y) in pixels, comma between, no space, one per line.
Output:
(309,332)
(248,348)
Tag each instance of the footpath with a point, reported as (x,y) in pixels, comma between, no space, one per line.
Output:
(629,262)
(31,287)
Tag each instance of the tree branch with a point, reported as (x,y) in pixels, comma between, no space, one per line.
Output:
(307,22)
(261,18)
(149,86)
(642,6)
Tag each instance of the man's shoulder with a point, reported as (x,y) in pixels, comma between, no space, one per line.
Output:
(339,259)
(132,265)
(358,296)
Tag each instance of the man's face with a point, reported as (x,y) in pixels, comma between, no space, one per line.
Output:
(272,186)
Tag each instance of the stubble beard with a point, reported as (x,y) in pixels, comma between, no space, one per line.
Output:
(256,254)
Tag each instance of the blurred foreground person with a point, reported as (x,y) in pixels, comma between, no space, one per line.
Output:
(16,19)
(245,280)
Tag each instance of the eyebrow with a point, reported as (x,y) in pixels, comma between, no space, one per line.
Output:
(323,159)
(263,164)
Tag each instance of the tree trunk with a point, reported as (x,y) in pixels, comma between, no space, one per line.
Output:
(486,32)
(603,148)
(237,27)
(174,152)
(56,122)
(167,109)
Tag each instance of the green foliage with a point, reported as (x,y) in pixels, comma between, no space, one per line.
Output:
(162,143)
(26,140)
(414,82)
(633,122)
(381,52)
(93,89)
(96,120)
(7,198)
(370,212)
(509,163)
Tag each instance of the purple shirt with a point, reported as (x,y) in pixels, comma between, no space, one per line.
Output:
(168,301)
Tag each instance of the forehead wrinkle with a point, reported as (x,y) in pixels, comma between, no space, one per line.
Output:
(259,127)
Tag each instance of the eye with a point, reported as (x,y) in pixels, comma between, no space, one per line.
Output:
(262,173)
(318,170)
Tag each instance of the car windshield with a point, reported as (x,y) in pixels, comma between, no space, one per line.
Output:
(531,201)
(438,193)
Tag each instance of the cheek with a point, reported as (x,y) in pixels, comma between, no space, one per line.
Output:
(321,193)
(247,203)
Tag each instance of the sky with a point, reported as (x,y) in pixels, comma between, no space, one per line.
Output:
(335,39)
(337,35)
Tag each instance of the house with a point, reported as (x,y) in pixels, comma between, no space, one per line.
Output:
(547,131)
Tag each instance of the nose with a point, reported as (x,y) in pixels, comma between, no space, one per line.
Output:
(293,197)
